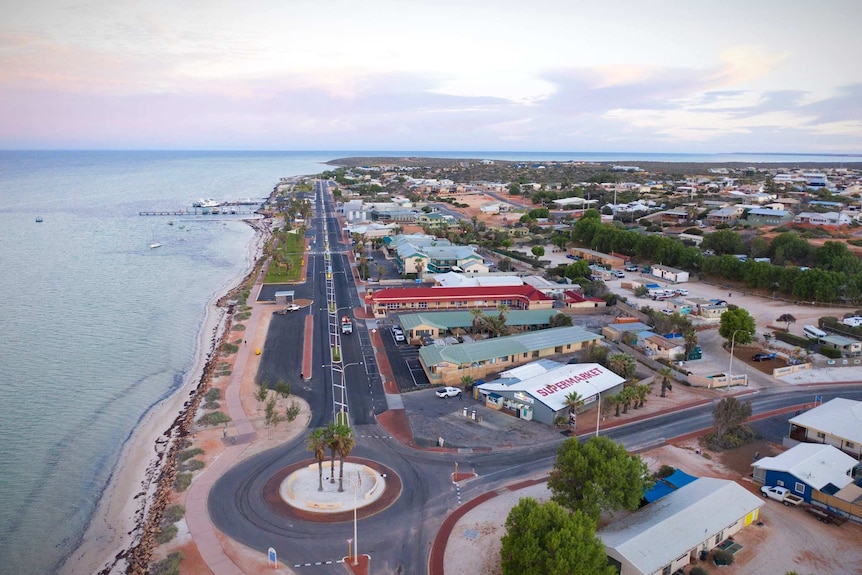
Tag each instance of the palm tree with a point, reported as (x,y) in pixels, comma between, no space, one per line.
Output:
(573,402)
(627,395)
(690,338)
(616,400)
(316,443)
(345,446)
(478,319)
(641,391)
(420,267)
(380,271)
(622,364)
(467,381)
(333,443)
(503,308)
(666,377)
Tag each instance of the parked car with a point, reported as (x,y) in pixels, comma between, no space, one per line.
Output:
(446,392)
(398,334)
(288,309)
(781,494)
(681,291)
(667,312)
(762,356)
(618,274)
(570,256)
(632,268)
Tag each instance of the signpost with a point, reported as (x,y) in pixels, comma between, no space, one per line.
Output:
(273,558)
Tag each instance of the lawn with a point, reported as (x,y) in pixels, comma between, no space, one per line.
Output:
(286,264)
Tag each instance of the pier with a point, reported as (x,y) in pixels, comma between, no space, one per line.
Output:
(224,211)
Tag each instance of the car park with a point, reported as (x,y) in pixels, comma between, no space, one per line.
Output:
(446,392)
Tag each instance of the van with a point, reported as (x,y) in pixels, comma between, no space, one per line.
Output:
(812,332)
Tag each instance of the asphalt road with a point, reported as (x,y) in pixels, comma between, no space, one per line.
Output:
(399,537)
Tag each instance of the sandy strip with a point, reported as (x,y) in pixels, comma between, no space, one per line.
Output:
(122,510)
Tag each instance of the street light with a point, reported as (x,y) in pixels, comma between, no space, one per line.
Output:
(730,365)
(341,369)
(356,484)
(598,405)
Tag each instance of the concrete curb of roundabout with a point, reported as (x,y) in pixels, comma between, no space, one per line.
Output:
(273,496)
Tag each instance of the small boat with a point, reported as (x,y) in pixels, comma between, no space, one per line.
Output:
(155,245)
(39,220)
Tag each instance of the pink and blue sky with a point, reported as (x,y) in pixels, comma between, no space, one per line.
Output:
(545,75)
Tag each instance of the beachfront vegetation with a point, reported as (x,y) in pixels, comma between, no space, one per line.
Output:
(170,565)
(229,348)
(166,534)
(213,394)
(189,453)
(182,482)
(173,513)
(237,327)
(191,465)
(547,539)
(214,418)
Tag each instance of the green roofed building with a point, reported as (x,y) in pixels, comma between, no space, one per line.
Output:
(446,365)
(445,323)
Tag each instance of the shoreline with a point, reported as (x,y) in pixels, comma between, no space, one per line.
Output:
(121,517)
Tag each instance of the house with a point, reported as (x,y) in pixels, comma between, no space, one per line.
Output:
(837,422)
(592,256)
(670,533)
(444,323)
(806,468)
(436,221)
(670,274)
(615,331)
(848,347)
(577,300)
(537,391)
(394,300)
(707,309)
(828,219)
(418,253)
(446,365)
(659,346)
(768,217)
(728,215)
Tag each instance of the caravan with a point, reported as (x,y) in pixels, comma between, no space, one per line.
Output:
(812,332)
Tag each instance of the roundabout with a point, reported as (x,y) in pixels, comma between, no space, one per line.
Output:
(364,486)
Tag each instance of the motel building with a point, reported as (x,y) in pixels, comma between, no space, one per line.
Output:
(537,391)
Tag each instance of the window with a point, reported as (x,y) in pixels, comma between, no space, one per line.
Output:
(821,435)
(423,304)
(849,444)
(799,488)
(392,306)
(779,483)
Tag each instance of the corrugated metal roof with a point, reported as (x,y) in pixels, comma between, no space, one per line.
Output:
(663,531)
(839,417)
(815,464)
(464,319)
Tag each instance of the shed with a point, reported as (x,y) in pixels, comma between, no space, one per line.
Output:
(845,345)
(284,297)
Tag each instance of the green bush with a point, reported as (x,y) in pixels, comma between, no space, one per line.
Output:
(664,471)
(722,557)
(182,482)
(173,514)
(166,534)
(791,339)
(169,565)
(214,418)
(213,394)
(210,405)
(189,453)
(192,465)
(830,352)
(242,316)
(237,327)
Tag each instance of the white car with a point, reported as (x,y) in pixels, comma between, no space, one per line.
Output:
(398,334)
(448,392)
(667,312)
(680,291)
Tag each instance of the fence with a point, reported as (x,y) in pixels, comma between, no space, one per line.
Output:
(845,508)
(780,371)
(717,380)
(846,362)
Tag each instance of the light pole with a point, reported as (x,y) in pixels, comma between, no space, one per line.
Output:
(598,406)
(730,365)
(341,369)
(356,484)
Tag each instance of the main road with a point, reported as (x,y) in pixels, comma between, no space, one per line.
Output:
(399,538)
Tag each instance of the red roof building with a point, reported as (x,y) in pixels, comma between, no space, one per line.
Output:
(459,298)
(578,300)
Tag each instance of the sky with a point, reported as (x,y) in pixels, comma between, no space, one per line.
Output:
(502,75)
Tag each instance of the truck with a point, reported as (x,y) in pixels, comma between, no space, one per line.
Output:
(346,325)
(781,494)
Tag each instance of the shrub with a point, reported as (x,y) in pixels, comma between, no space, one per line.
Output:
(166,534)
(791,339)
(830,352)
(173,514)
(182,482)
(214,418)
(192,465)
(242,316)
(237,327)
(722,557)
(213,394)
(170,565)
(210,405)
(229,348)
(292,411)
(697,571)
(189,453)
(664,471)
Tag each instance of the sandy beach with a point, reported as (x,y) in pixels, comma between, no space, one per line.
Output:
(121,514)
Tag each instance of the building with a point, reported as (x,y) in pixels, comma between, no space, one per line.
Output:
(837,423)
(436,221)
(395,300)
(658,346)
(445,323)
(765,217)
(616,331)
(848,347)
(670,274)
(537,391)
(592,256)
(807,468)
(670,533)
(828,219)
(577,300)
(459,279)
(729,215)
(446,365)
(418,253)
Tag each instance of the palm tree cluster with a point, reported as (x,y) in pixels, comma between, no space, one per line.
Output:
(492,325)
(631,396)
(338,439)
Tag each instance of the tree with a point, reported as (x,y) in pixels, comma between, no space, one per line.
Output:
(505,265)
(666,374)
(622,364)
(380,271)
(597,353)
(467,381)
(282,388)
(538,251)
(690,339)
(316,443)
(573,402)
(262,392)
(597,477)
(545,539)
(728,414)
(787,319)
(478,319)
(737,326)
(560,320)
(345,444)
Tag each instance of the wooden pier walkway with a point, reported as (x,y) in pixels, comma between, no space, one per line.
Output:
(198,212)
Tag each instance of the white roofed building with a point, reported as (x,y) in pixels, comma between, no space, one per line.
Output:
(670,533)
(805,468)
(837,423)
(538,390)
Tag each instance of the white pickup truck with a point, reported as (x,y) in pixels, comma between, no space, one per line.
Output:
(781,494)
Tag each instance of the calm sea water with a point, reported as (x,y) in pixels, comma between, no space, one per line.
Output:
(97,327)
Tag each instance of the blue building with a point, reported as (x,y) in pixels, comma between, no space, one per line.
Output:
(807,468)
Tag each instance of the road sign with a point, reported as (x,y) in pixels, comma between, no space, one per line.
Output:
(273,558)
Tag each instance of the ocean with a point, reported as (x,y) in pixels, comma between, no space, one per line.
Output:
(98,327)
